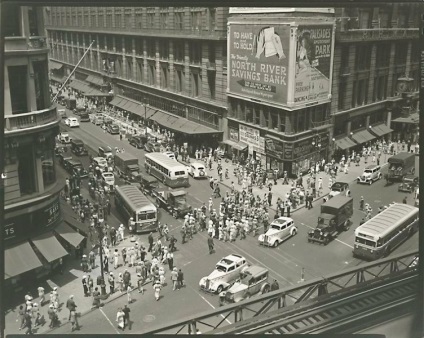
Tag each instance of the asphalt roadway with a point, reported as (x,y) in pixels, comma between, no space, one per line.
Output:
(285,263)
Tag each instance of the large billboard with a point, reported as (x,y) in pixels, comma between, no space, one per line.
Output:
(313,63)
(258,61)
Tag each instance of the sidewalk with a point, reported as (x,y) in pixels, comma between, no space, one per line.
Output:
(70,283)
(281,190)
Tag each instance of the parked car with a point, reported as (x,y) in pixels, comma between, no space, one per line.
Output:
(113,129)
(339,188)
(64,138)
(197,170)
(371,174)
(253,280)
(152,147)
(170,154)
(279,230)
(137,141)
(409,183)
(226,272)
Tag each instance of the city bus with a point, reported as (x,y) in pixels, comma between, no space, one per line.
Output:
(169,171)
(381,234)
(131,202)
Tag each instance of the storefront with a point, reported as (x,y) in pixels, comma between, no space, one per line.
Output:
(295,157)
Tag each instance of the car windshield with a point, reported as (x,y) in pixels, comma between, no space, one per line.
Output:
(200,168)
(367,171)
(337,187)
(279,221)
(226,261)
(143,216)
(246,278)
(276,226)
(221,268)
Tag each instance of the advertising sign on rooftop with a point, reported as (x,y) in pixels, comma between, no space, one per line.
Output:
(258,61)
(313,63)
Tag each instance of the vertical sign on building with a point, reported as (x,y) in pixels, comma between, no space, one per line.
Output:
(313,63)
(258,61)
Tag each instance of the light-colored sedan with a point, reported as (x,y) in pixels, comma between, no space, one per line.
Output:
(197,170)
(280,229)
(72,122)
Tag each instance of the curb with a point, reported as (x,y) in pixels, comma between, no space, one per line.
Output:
(93,309)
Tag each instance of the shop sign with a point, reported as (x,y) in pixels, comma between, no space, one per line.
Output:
(258,61)
(305,147)
(313,64)
(234,135)
(249,135)
(274,148)
(288,151)
(23,226)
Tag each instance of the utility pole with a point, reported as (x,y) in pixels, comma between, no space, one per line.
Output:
(73,71)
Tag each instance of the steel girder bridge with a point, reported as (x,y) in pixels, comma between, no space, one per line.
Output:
(317,306)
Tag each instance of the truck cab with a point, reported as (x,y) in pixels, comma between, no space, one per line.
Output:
(334,218)
(173,201)
(78,148)
(400,165)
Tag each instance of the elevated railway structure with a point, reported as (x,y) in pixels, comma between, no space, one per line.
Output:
(333,303)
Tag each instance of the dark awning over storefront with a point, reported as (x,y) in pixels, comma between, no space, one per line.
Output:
(236,145)
(49,247)
(180,124)
(19,259)
(58,78)
(380,130)
(412,119)
(53,65)
(94,80)
(85,89)
(345,143)
(363,136)
(69,234)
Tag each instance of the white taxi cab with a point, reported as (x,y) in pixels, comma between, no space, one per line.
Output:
(279,230)
(72,122)
(226,272)
(197,170)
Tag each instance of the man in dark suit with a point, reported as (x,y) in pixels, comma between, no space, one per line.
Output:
(210,244)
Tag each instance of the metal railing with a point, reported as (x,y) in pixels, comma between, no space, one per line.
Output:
(340,282)
(33,119)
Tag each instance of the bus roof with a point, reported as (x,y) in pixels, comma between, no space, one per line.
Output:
(386,221)
(135,197)
(164,160)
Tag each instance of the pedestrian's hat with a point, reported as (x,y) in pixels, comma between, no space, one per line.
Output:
(55,288)
(71,296)
(84,255)
(139,274)
(51,306)
(84,276)
(35,305)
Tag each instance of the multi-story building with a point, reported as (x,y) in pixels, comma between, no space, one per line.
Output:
(164,64)
(31,184)
(375,79)
(169,65)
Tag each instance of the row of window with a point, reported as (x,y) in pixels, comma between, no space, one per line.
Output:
(385,17)
(196,19)
(158,167)
(359,94)
(151,47)
(18,85)
(277,119)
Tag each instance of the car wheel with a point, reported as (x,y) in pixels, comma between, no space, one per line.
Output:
(266,289)
(370,182)
(275,244)
(219,289)
(294,232)
(247,296)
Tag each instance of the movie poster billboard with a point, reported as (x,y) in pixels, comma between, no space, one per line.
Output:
(258,61)
(313,63)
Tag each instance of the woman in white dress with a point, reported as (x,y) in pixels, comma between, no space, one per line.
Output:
(120,319)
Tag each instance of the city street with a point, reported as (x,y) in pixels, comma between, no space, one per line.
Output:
(285,262)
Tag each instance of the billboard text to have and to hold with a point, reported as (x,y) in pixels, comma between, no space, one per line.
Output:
(259,58)
(313,63)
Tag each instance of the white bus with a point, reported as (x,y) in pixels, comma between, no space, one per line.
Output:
(131,202)
(170,172)
(378,236)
